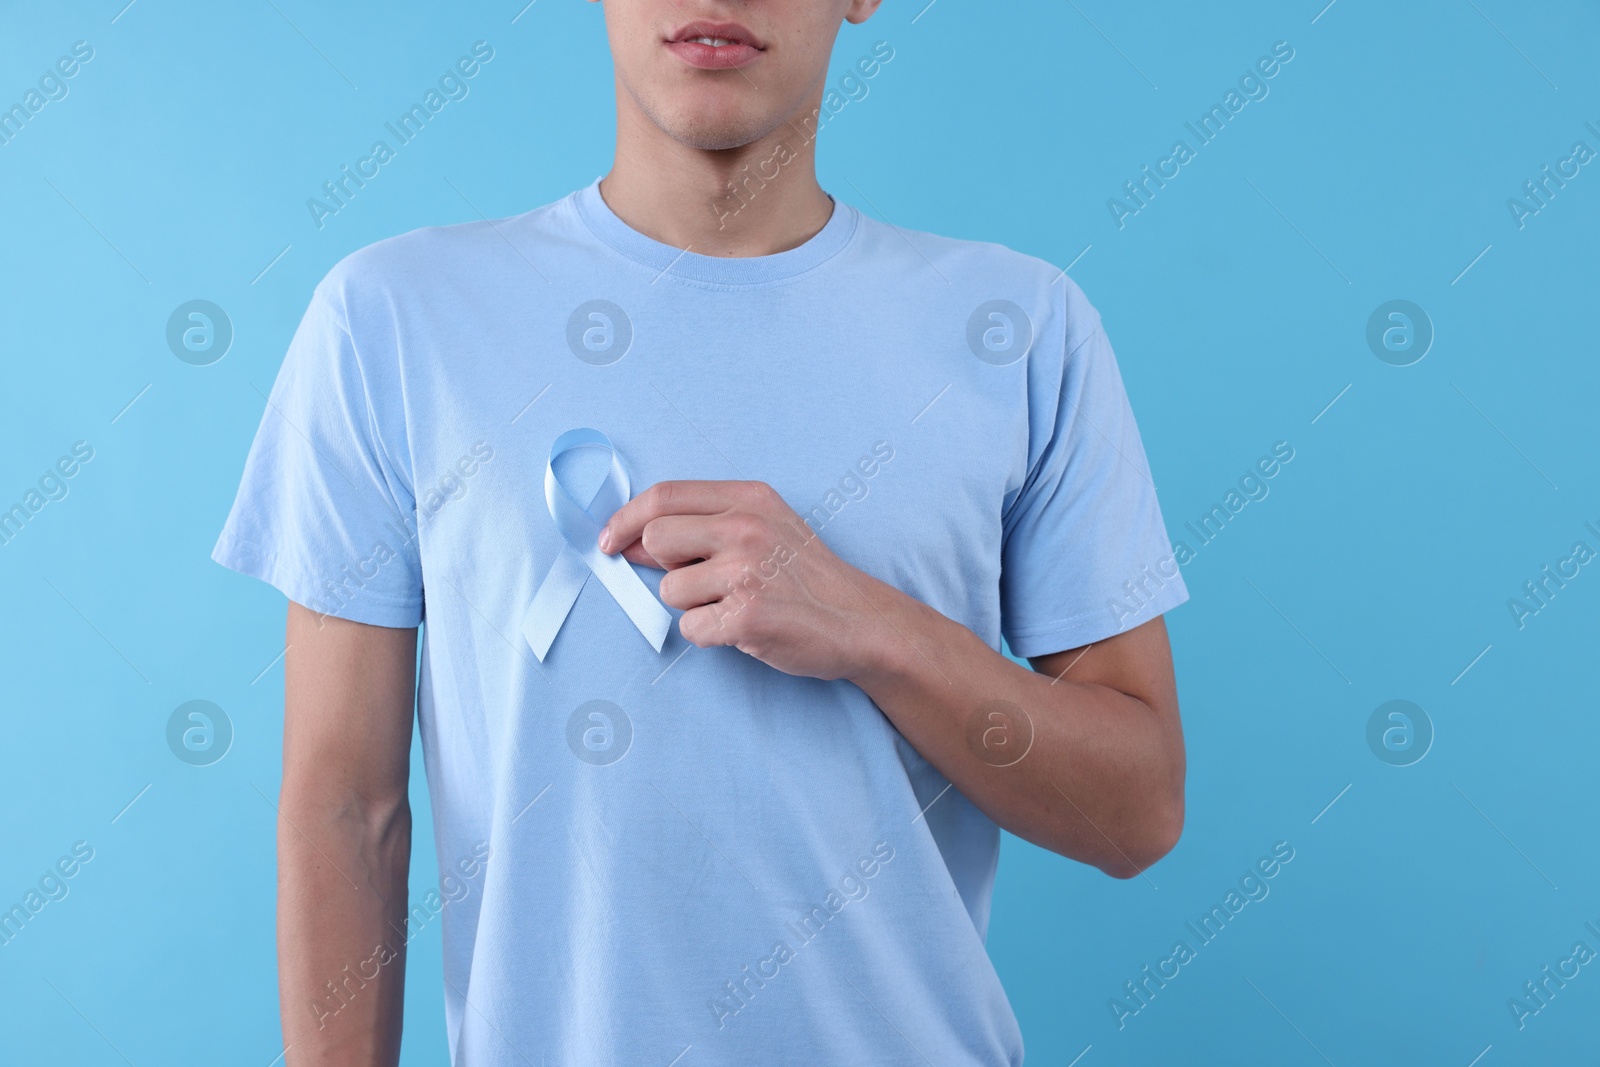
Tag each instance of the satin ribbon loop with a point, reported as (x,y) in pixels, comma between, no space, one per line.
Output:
(579,525)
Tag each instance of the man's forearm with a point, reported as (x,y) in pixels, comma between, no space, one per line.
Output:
(342,901)
(1100,773)
(1101,777)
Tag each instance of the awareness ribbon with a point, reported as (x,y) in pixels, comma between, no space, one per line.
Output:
(579,526)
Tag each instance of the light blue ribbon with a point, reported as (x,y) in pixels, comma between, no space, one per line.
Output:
(579,526)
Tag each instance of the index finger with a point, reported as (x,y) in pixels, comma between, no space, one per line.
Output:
(666,498)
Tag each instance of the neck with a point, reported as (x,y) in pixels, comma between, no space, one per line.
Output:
(755,200)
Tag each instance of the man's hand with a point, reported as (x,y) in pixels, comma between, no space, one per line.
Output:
(747,573)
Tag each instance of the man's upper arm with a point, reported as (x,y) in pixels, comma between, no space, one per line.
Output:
(1085,552)
(325,512)
(1137,662)
(349,693)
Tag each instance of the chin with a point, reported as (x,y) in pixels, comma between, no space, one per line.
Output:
(712,125)
(709,138)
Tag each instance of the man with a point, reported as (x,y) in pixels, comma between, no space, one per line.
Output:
(767,831)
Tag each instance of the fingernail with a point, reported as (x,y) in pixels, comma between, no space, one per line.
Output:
(605,539)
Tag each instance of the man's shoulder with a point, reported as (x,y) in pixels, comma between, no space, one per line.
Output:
(433,258)
(986,268)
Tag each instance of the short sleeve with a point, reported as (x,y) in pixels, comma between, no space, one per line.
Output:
(1085,552)
(325,511)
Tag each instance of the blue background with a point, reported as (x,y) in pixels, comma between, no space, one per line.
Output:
(1378,568)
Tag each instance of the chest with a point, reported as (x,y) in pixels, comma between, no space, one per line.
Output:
(878,428)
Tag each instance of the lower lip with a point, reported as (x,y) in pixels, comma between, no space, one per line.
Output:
(710,57)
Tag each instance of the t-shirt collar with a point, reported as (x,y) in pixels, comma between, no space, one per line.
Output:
(688,265)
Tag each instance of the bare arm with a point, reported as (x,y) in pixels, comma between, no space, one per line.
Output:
(344,839)
(1101,767)
(1095,733)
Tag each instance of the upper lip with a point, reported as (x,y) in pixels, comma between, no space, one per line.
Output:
(727,31)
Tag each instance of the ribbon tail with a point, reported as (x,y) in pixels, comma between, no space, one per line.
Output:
(553,602)
(626,587)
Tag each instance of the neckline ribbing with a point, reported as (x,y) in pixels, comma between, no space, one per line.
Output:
(692,266)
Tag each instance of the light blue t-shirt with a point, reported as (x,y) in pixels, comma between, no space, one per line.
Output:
(693,858)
